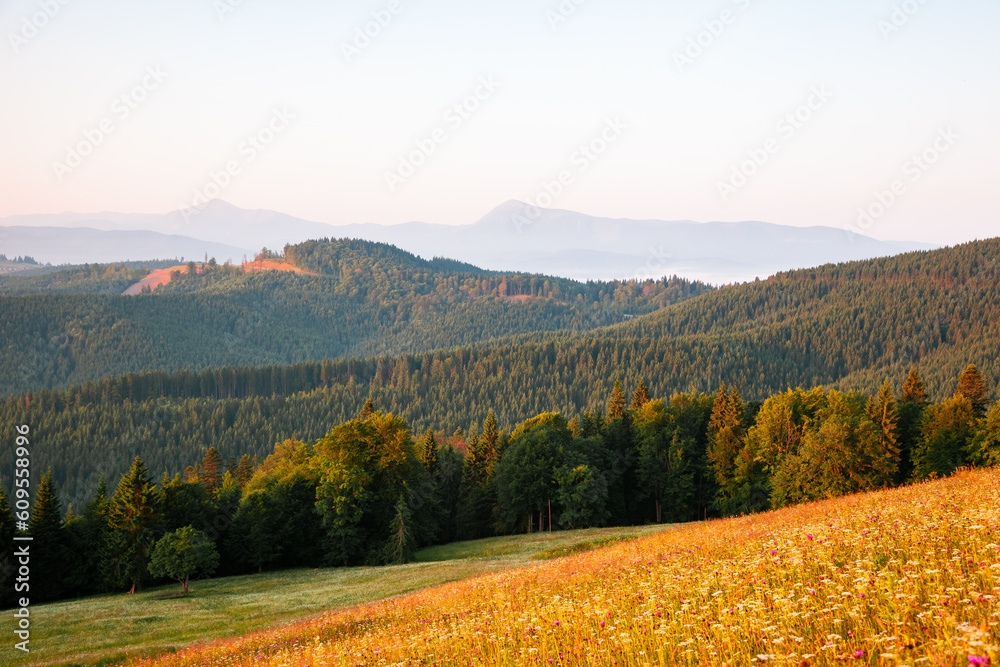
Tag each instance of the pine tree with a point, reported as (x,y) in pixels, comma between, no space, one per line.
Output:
(48,555)
(132,516)
(640,397)
(210,472)
(367,411)
(616,404)
(428,453)
(972,386)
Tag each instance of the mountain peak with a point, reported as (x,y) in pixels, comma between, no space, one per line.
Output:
(212,207)
(504,210)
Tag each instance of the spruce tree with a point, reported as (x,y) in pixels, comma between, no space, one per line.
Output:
(910,412)
(640,397)
(86,536)
(428,453)
(251,538)
(913,389)
(882,412)
(947,431)
(474,463)
(717,421)
(725,442)
(101,497)
(244,470)
(210,472)
(490,444)
(400,548)
(972,386)
(132,517)
(367,411)
(616,403)
(48,553)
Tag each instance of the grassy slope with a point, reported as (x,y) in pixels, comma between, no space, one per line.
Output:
(909,576)
(112,627)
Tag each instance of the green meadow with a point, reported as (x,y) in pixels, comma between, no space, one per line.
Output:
(108,629)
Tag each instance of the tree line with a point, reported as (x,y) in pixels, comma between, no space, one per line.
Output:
(370,491)
(845,327)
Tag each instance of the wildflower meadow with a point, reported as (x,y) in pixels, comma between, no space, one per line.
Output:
(908,576)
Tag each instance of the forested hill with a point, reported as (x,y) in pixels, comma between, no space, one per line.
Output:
(368,299)
(848,326)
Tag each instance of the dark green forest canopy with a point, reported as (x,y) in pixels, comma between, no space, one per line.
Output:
(850,326)
(369,299)
(85,279)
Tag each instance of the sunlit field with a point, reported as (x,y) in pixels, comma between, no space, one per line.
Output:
(903,577)
(109,629)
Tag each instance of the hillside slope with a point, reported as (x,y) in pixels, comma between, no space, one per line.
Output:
(109,629)
(851,326)
(896,577)
(369,299)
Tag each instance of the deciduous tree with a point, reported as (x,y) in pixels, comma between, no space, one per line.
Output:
(182,555)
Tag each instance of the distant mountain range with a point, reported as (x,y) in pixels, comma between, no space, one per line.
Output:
(512,237)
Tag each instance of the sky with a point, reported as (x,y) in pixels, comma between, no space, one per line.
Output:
(874,115)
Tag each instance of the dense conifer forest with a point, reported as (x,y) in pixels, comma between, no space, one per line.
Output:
(368,299)
(371,491)
(808,385)
(847,327)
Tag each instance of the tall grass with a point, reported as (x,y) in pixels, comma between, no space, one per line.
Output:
(903,577)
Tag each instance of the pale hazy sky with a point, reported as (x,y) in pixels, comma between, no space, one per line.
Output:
(228,69)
